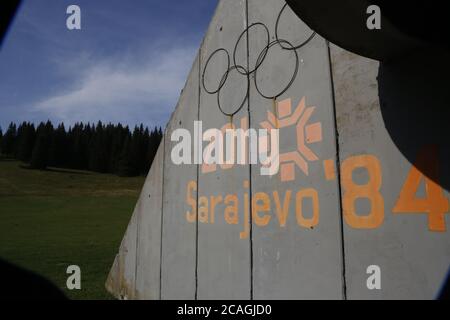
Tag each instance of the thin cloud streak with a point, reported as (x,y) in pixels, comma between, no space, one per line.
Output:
(115,91)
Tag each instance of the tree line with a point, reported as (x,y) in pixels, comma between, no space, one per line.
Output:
(100,148)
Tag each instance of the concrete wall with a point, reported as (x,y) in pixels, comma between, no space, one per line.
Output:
(296,261)
(388,119)
(339,203)
(223,257)
(178,264)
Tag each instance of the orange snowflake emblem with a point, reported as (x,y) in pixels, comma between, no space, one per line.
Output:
(306,134)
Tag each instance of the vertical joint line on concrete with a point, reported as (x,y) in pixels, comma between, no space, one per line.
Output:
(197,178)
(250,165)
(137,247)
(162,217)
(338,173)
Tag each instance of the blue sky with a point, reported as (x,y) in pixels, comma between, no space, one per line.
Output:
(128,63)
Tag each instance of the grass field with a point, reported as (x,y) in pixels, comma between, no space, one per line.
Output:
(55,218)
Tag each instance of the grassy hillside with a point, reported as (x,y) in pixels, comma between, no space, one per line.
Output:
(54,218)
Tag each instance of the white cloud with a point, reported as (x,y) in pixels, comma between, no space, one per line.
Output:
(127,91)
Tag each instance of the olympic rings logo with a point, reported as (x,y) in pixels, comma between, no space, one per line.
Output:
(233,66)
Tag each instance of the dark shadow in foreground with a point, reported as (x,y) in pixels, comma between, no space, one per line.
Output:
(414,99)
(18,283)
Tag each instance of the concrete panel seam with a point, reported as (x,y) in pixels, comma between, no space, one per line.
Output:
(197,176)
(338,176)
(162,217)
(250,165)
(137,248)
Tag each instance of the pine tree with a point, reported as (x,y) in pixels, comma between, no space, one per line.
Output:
(9,140)
(77,148)
(125,164)
(58,147)
(18,140)
(118,140)
(25,141)
(152,148)
(1,137)
(136,151)
(39,157)
(145,145)
(100,148)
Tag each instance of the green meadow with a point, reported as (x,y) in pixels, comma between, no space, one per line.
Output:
(55,218)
